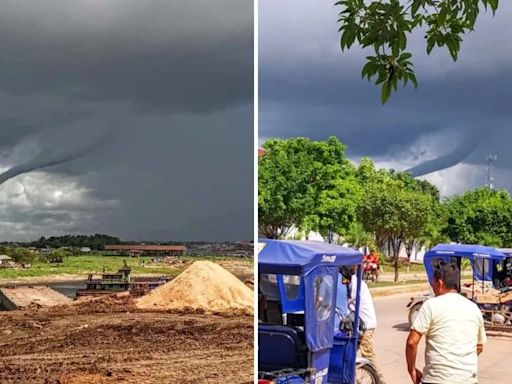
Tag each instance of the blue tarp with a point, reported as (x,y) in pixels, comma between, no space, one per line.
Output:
(471,251)
(295,257)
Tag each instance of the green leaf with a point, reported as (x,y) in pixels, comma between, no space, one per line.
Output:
(430,44)
(415,6)
(494,5)
(405,56)
(412,77)
(385,92)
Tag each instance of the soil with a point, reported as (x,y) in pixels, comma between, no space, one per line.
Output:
(109,340)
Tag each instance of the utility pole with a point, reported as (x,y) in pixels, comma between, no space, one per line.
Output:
(491,159)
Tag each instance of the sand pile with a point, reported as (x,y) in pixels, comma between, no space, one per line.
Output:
(203,285)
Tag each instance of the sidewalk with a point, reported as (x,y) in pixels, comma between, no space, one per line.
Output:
(413,289)
(404,276)
(408,276)
(401,287)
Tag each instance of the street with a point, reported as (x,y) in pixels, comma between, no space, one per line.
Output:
(494,363)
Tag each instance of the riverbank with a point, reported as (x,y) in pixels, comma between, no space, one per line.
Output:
(44,280)
(79,267)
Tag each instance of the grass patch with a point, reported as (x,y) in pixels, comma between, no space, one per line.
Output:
(393,284)
(411,267)
(97,264)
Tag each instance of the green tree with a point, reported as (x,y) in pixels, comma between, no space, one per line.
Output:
(306,184)
(385,25)
(432,220)
(357,236)
(56,256)
(394,214)
(336,207)
(480,216)
(21,255)
(96,241)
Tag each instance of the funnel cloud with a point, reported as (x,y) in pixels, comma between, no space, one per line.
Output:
(458,114)
(465,147)
(176,80)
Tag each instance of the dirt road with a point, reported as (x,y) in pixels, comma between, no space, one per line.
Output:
(494,362)
(109,341)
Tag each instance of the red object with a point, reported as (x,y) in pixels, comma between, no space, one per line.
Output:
(264,381)
(370,262)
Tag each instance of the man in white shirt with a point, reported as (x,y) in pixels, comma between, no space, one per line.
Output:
(454,331)
(367,315)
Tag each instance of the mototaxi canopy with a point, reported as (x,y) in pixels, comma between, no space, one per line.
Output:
(318,265)
(473,252)
(294,257)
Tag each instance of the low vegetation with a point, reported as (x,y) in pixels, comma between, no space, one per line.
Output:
(85,264)
(307,185)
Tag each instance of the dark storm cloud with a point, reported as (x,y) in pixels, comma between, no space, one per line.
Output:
(309,87)
(192,55)
(173,79)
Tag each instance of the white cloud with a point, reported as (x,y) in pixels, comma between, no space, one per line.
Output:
(458,179)
(45,204)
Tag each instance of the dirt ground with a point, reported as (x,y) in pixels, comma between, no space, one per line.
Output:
(110,341)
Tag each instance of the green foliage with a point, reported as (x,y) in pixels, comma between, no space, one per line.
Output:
(85,264)
(464,264)
(392,212)
(21,255)
(384,26)
(397,209)
(56,256)
(312,186)
(480,216)
(358,237)
(96,242)
(307,184)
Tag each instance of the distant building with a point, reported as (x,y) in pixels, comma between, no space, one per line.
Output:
(85,250)
(146,250)
(4,259)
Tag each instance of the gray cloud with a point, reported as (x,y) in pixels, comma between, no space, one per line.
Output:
(179,56)
(174,79)
(459,112)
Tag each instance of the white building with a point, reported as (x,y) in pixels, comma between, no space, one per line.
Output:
(4,259)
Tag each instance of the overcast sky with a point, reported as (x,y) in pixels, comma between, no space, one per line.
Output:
(153,98)
(461,111)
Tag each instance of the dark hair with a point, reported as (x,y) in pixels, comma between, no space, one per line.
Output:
(347,271)
(449,273)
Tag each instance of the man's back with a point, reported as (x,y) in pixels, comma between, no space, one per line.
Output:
(366,309)
(453,327)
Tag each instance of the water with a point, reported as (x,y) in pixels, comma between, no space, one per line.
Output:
(68,288)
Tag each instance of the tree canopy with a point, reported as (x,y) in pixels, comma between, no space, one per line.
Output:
(385,26)
(396,209)
(307,184)
(312,186)
(96,241)
(481,216)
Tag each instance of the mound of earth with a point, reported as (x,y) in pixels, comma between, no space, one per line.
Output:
(204,285)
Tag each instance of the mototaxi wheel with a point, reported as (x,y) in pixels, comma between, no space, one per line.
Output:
(366,374)
(413,312)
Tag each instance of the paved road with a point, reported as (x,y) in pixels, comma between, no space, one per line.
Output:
(495,363)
